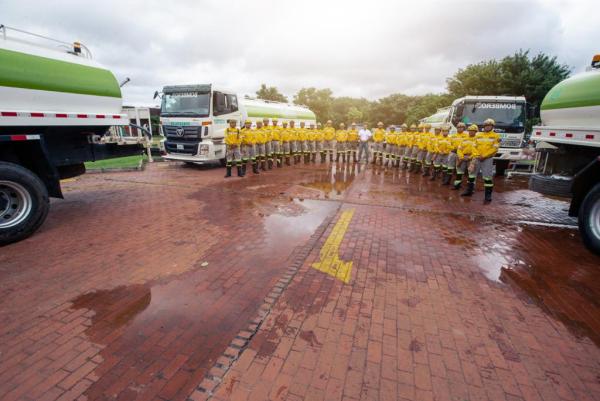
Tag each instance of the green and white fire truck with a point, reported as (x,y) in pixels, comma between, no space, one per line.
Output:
(194,118)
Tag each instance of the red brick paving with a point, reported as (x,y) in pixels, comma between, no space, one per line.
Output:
(110,300)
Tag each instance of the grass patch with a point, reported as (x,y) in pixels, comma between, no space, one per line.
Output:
(119,162)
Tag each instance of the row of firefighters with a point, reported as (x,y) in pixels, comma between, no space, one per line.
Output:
(467,152)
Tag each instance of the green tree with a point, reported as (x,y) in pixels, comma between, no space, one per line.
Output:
(318,100)
(423,106)
(341,106)
(270,93)
(515,75)
(354,115)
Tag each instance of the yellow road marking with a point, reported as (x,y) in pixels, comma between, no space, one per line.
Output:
(330,262)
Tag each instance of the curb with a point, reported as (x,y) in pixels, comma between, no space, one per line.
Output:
(211,381)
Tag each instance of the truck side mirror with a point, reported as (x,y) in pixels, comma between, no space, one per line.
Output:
(155,94)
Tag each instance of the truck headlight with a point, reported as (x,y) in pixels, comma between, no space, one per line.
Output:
(203,150)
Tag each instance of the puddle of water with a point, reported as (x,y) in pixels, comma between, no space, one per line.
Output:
(333,183)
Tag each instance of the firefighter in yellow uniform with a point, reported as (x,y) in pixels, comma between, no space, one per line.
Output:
(312,142)
(233,143)
(249,141)
(443,146)
(455,140)
(431,148)
(268,134)
(378,139)
(286,144)
(276,142)
(294,143)
(487,144)
(328,140)
(341,137)
(320,141)
(303,142)
(352,144)
(261,141)
(389,143)
(422,143)
(464,154)
(409,142)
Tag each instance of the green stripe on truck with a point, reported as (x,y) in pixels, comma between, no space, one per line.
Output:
(20,70)
(581,90)
(272,112)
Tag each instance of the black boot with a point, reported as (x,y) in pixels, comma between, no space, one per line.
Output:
(337,158)
(457,182)
(488,194)
(425,171)
(435,173)
(228,173)
(270,162)
(255,168)
(446,178)
(244,169)
(344,158)
(239,171)
(323,155)
(263,164)
(470,189)
(287,161)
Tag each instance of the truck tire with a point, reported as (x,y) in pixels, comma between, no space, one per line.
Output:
(24,203)
(550,186)
(589,219)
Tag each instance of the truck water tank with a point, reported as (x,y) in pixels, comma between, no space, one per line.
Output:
(574,102)
(37,78)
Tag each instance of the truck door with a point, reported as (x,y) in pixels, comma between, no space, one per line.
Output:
(225,108)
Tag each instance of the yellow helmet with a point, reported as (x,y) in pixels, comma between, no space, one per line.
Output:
(413,126)
(319,125)
(275,119)
(329,122)
(404,125)
(473,127)
(380,124)
(489,121)
(461,124)
(342,125)
(420,126)
(445,127)
(427,126)
(248,122)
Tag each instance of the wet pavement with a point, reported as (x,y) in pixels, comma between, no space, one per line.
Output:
(139,285)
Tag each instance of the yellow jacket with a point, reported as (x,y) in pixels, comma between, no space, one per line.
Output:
(432,143)
(266,134)
(275,133)
(303,134)
(233,137)
(319,135)
(378,135)
(259,136)
(341,135)
(444,144)
(329,133)
(285,134)
(466,147)
(353,135)
(456,139)
(423,140)
(390,138)
(248,136)
(486,144)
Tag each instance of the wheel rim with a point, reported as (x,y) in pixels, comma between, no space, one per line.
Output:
(595,219)
(15,204)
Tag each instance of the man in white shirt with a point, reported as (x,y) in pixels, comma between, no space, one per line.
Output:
(364,136)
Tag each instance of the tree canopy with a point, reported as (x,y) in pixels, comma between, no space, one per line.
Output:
(270,93)
(519,74)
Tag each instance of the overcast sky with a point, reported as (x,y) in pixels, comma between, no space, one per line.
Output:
(368,48)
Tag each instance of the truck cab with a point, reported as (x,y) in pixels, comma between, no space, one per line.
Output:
(509,112)
(193,120)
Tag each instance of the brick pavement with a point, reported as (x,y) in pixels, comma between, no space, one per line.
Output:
(113,299)
(425,317)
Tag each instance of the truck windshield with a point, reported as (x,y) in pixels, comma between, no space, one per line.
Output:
(193,104)
(508,116)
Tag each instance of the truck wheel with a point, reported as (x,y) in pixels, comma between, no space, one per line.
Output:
(589,219)
(24,203)
(550,186)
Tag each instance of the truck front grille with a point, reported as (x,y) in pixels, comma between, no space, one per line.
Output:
(186,134)
(181,147)
(510,143)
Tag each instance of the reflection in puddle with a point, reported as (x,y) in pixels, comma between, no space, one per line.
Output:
(334,182)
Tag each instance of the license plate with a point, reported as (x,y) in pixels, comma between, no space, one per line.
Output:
(180,147)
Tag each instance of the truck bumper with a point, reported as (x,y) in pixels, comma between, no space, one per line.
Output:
(510,154)
(204,152)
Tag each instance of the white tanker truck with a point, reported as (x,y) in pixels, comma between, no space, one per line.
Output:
(56,104)
(568,149)
(194,118)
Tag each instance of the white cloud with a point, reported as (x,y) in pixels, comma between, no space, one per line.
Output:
(356,48)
